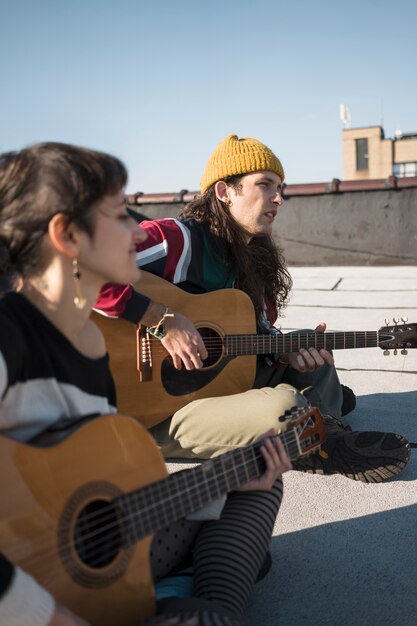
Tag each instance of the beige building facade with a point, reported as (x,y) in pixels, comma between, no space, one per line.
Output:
(367,154)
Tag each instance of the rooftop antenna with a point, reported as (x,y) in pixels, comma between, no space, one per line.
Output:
(345,115)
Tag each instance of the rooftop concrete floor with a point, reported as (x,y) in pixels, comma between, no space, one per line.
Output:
(344,552)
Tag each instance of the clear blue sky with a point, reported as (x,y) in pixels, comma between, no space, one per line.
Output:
(160,82)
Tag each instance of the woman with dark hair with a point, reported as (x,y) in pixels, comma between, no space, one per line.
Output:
(64,232)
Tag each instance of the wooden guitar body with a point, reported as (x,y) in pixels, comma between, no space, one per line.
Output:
(43,494)
(163,389)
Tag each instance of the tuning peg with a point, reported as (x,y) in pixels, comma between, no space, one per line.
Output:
(395,320)
(285,417)
(386,321)
(404,319)
(386,352)
(395,352)
(404,351)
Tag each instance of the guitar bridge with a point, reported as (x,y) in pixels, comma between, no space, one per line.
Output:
(144,354)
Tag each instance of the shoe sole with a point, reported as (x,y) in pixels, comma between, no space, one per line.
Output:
(369,457)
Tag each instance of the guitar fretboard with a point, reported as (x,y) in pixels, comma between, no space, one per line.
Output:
(154,506)
(238,345)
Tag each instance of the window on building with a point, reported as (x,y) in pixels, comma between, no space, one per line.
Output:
(361,154)
(402,170)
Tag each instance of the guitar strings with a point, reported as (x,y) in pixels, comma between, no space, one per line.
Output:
(184,491)
(339,340)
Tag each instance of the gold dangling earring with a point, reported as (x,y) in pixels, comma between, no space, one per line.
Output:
(79,299)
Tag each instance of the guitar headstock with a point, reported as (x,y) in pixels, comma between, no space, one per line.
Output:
(396,335)
(309,427)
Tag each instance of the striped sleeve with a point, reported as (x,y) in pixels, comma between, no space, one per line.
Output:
(167,250)
(121,301)
(166,253)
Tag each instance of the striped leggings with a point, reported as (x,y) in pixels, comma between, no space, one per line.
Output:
(227,555)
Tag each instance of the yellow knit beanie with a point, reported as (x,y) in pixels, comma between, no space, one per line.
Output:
(239,156)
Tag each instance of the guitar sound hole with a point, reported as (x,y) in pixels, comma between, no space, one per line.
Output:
(98,534)
(181,382)
(214,345)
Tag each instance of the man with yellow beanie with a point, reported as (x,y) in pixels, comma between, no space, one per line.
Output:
(223,239)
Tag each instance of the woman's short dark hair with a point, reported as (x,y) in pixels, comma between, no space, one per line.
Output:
(40,181)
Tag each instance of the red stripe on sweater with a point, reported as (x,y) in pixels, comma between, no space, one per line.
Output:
(159,231)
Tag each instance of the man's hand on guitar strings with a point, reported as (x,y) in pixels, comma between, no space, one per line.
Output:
(311,359)
(276,461)
(184,343)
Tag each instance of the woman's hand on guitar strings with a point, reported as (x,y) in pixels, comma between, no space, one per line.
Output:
(276,461)
(184,343)
(311,359)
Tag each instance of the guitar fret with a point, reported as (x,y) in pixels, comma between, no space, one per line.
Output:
(228,469)
(253,463)
(236,475)
(193,493)
(285,442)
(247,476)
(294,444)
(181,494)
(293,342)
(222,478)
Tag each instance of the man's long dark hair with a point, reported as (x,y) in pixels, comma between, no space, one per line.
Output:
(260,265)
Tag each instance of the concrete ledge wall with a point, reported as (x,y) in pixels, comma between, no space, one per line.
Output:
(359,228)
(353,228)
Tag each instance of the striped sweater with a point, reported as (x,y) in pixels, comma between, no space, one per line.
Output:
(43,377)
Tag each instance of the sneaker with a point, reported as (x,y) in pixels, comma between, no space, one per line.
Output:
(349,400)
(370,457)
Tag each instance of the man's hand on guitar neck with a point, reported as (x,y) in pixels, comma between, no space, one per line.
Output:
(311,359)
(182,340)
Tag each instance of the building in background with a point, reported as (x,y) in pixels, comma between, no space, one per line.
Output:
(368,155)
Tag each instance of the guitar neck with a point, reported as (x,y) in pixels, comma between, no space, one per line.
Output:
(156,505)
(239,345)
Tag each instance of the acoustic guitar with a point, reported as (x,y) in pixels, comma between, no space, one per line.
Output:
(151,389)
(79,515)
